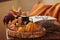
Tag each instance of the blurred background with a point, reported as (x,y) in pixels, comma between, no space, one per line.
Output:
(6,5)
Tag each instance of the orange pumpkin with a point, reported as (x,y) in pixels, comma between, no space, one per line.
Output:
(32,27)
(21,29)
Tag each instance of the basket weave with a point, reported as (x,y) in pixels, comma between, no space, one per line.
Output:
(27,34)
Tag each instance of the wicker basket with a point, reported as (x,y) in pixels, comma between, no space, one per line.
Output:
(27,34)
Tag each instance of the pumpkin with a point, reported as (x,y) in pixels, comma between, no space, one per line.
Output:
(32,27)
(21,29)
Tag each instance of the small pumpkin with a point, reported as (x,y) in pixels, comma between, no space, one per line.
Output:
(32,27)
(21,29)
